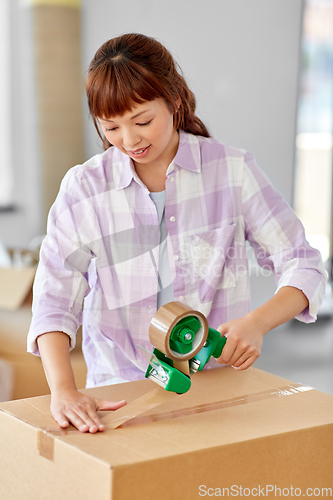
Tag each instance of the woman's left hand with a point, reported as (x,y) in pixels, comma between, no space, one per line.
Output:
(244,341)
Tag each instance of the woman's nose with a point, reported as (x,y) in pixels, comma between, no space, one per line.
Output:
(131,140)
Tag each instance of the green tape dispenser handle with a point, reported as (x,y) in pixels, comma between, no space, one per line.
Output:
(220,343)
(212,347)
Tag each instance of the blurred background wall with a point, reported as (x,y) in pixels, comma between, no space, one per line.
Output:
(240,58)
(45,111)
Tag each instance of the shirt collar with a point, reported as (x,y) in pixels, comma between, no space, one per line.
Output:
(188,156)
(124,171)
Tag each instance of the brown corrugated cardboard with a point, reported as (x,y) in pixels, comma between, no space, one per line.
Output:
(16,283)
(28,379)
(246,431)
(6,380)
(14,326)
(56,33)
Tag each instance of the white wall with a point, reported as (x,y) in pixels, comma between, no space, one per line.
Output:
(6,163)
(19,227)
(240,58)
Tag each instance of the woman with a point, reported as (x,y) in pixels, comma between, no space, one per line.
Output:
(163,214)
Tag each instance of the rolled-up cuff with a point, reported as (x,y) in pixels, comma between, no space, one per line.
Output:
(32,345)
(309,314)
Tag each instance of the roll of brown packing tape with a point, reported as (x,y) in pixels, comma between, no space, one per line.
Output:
(164,321)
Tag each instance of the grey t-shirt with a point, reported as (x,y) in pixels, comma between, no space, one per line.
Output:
(165,293)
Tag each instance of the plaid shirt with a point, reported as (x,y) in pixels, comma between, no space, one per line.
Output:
(99,261)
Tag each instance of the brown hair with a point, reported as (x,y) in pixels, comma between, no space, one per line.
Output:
(135,68)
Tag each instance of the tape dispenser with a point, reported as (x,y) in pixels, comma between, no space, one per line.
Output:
(183,344)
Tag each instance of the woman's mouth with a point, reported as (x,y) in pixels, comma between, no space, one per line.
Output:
(139,153)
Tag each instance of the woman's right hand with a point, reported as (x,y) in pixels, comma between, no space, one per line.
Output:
(71,406)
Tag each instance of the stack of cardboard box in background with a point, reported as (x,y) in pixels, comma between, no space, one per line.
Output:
(21,373)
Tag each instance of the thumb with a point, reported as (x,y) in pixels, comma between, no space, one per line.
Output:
(223,329)
(105,405)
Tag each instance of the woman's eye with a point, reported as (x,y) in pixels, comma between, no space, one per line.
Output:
(144,124)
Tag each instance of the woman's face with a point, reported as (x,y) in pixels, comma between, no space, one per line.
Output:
(146,134)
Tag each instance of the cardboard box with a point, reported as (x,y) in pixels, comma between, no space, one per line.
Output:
(15,286)
(241,430)
(29,378)
(6,380)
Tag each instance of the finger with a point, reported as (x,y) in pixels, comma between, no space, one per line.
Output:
(241,359)
(61,420)
(228,352)
(251,352)
(240,354)
(90,418)
(103,405)
(246,363)
(77,421)
(97,421)
(222,329)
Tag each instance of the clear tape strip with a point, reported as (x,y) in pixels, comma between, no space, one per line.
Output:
(218,405)
(144,403)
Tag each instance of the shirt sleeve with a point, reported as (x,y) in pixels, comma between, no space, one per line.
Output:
(278,239)
(61,279)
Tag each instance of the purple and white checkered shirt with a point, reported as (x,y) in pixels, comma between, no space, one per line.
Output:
(99,260)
